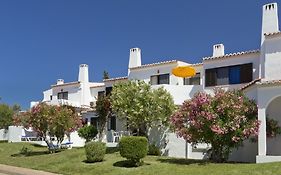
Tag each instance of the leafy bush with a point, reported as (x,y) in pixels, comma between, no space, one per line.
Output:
(25,151)
(133,148)
(95,151)
(272,128)
(154,150)
(88,132)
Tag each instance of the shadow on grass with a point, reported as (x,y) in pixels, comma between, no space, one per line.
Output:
(110,150)
(33,153)
(127,164)
(87,162)
(37,145)
(179,161)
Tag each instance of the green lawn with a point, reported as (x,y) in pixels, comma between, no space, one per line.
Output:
(72,162)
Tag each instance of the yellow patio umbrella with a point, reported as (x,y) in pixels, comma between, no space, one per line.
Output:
(184,71)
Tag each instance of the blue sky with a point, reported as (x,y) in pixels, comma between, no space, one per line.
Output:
(41,41)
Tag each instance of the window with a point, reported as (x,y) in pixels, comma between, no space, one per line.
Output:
(193,80)
(111,123)
(94,122)
(229,75)
(51,97)
(63,95)
(160,79)
(100,94)
(108,90)
(85,121)
(210,77)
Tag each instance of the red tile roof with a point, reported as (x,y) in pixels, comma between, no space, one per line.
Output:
(232,54)
(115,79)
(250,84)
(156,64)
(272,33)
(66,84)
(266,82)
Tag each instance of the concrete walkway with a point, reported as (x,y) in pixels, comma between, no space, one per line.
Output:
(12,170)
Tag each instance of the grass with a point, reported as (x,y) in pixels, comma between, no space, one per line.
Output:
(73,162)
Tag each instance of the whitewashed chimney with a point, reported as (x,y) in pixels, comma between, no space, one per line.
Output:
(135,58)
(269,19)
(83,73)
(60,81)
(83,78)
(218,50)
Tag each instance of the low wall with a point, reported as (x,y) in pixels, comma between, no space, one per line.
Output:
(4,134)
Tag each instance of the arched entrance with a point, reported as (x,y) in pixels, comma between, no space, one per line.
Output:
(273,111)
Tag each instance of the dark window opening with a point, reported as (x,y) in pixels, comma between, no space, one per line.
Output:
(63,95)
(112,123)
(108,91)
(101,94)
(94,122)
(193,80)
(229,75)
(160,79)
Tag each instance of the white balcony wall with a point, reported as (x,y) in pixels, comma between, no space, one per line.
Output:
(181,93)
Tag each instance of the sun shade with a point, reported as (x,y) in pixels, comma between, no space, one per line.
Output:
(184,71)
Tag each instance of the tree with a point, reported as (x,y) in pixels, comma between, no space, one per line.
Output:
(103,110)
(50,121)
(140,105)
(88,132)
(105,75)
(224,120)
(6,116)
(16,108)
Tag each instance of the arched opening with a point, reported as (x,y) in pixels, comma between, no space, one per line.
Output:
(273,111)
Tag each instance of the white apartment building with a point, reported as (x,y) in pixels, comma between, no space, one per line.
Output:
(256,72)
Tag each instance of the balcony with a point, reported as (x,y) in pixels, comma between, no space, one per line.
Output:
(61,102)
(181,93)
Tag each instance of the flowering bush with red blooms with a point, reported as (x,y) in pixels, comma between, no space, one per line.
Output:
(50,121)
(223,120)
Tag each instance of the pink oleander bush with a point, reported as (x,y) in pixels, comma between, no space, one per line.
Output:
(223,120)
(50,121)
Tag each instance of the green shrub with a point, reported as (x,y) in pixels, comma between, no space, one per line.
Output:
(154,150)
(133,148)
(25,151)
(88,132)
(95,151)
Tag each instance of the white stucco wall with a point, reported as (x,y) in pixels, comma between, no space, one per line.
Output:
(47,94)
(15,133)
(180,93)
(94,92)
(272,49)
(4,134)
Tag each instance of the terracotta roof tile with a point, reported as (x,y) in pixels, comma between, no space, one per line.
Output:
(250,84)
(66,84)
(197,64)
(266,82)
(155,64)
(116,78)
(232,54)
(272,33)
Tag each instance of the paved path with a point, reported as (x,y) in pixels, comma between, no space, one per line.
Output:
(12,170)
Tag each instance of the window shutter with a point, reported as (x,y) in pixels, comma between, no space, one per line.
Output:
(246,73)
(222,76)
(210,77)
(154,80)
